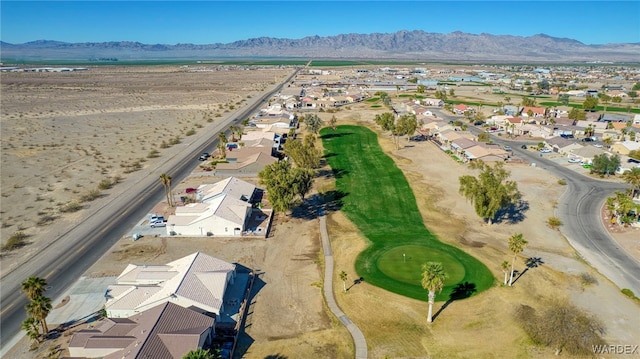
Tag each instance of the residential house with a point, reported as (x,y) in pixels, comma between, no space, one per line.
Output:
(562,111)
(614,117)
(236,187)
(586,153)
(536,112)
(225,210)
(432,102)
(460,109)
(356,97)
(625,147)
(562,145)
(197,281)
(486,153)
(459,145)
(165,331)
(282,120)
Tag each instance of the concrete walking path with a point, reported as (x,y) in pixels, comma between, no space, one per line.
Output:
(358,338)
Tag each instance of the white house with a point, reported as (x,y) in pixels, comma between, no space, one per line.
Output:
(224,210)
(195,281)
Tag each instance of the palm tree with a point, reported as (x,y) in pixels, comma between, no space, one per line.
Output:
(34,287)
(165,179)
(633,178)
(343,277)
(239,132)
(516,245)
(222,137)
(39,309)
(433,276)
(505,269)
(30,325)
(222,151)
(233,130)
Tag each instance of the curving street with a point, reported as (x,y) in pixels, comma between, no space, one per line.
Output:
(579,209)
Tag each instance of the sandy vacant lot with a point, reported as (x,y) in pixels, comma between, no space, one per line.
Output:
(65,133)
(289,320)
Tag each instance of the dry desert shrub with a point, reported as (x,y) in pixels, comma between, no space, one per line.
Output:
(561,326)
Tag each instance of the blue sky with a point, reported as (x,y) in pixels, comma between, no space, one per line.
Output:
(206,22)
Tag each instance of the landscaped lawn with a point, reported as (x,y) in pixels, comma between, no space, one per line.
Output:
(380,202)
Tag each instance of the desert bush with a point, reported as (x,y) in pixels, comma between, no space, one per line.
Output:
(191,132)
(554,222)
(164,144)
(105,184)
(90,196)
(175,140)
(562,182)
(629,293)
(587,279)
(44,220)
(70,207)
(561,326)
(17,240)
(153,154)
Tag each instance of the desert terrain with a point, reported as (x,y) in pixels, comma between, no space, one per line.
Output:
(69,136)
(288,318)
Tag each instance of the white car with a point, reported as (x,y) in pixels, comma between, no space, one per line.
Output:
(574,160)
(545,150)
(157,223)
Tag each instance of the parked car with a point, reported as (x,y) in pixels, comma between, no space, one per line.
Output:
(599,145)
(418,138)
(574,160)
(545,150)
(524,147)
(633,160)
(157,223)
(507,148)
(566,135)
(587,139)
(203,157)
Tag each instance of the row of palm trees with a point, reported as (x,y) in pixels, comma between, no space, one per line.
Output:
(37,309)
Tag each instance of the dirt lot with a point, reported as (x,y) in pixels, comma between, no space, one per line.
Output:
(287,317)
(64,133)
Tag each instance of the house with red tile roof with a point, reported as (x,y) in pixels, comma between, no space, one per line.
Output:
(460,108)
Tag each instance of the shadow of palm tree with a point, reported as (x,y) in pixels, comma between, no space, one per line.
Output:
(276,356)
(460,291)
(531,262)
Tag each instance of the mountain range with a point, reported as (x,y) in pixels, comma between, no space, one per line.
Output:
(401,45)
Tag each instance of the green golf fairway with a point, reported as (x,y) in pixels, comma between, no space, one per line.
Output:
(378,199)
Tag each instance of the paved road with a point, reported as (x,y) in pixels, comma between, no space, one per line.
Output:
(358,338)
(579,209)
(71,253)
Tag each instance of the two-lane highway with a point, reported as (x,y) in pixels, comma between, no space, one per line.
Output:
(70,254)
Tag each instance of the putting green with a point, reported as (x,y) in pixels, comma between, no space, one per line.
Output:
(404,264)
